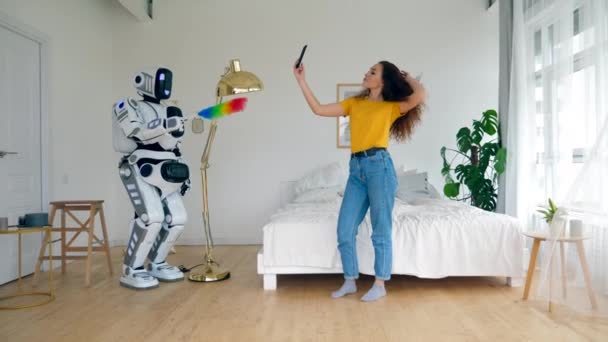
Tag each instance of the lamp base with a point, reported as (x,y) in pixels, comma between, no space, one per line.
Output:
(211,273)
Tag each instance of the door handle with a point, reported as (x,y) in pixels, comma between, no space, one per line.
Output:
(4,153)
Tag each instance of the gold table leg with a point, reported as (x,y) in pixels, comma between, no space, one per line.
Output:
(50,295)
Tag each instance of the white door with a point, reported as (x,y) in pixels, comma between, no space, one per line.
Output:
(20,156)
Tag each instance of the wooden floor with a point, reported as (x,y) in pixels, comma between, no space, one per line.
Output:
(452,309)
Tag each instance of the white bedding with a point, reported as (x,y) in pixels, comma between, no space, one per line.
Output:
(431,239)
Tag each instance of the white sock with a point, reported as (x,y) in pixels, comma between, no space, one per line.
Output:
(348,287)
(376,292)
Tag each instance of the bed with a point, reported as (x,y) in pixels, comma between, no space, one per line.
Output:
(432,237)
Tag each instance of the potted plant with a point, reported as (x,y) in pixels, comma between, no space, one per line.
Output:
(476,163)
(549,212)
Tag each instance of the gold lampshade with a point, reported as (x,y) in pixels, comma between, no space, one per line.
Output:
(236,81)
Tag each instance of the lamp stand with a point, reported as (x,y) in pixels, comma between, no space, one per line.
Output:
(213,271)
(233,82)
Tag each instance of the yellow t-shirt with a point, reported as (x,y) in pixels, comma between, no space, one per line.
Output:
(370,122)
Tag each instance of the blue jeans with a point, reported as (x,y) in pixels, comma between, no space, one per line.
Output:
(372,184)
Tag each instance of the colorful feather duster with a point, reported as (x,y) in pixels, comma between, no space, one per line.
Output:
(224,109)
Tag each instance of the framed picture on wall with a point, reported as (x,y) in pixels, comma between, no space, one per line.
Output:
(343,91)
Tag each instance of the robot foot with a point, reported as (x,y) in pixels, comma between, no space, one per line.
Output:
(165,272)
(137,279)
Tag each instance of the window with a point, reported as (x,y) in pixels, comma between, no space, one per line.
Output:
(562,76)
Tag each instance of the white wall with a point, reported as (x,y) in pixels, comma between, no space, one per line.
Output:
(96,46)
(454,43)
(82,162)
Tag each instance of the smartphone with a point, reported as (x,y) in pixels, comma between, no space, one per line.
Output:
(301,56)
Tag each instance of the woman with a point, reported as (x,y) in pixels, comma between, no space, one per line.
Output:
(389,105)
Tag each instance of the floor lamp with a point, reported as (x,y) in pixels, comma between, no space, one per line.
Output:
(234,81)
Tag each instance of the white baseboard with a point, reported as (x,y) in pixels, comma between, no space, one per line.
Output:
(114,243)
(220,241)
(200,242)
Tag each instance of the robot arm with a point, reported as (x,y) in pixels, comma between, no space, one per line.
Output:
(135,127)
(156,128)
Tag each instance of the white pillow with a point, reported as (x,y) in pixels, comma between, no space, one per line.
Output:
(414,186)
(318,195)
(403,170)
(324,177)
(413,182)
(433,192)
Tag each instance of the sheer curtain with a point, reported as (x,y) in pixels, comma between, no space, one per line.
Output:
(558,137)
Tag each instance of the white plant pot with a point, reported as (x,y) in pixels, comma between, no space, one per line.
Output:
(557,228)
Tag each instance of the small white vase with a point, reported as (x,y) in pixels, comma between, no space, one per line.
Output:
(576,228)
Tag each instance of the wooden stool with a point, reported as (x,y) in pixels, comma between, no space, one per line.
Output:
(580,248)
(94,207)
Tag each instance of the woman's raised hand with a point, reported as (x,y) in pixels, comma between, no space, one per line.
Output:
(298,72)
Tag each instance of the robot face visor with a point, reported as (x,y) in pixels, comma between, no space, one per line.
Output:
(163,83)
(174,172)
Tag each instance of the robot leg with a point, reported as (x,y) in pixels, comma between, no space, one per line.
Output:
(140,242)
(144,228)
(175,218)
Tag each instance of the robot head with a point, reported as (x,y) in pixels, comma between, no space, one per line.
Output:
(155,83)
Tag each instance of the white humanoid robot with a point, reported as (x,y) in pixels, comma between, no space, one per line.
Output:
(149,135)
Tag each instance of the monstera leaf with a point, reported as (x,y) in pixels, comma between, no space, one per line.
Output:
(500,162)
(451,189)
(478,130)
(464,139)
(486,195)
(489,122)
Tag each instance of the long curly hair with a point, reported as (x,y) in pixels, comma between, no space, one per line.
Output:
(397,89)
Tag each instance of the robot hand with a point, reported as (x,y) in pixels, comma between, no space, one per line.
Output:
(185,187)
(174,123)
